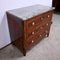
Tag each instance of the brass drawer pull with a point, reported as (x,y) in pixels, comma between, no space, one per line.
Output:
(41,27)
(32,41)
(42,18)
(47,24)
(33,23)
(46,35)
(40,35)
(32,32)
(46,31)
(48,16)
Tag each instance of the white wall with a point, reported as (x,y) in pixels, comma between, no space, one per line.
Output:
(13,4)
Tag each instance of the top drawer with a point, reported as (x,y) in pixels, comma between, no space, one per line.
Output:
(43,18)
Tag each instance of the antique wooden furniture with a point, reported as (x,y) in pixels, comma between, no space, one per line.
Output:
(29,25)
(56,4)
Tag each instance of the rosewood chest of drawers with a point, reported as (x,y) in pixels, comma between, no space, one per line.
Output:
(29,25)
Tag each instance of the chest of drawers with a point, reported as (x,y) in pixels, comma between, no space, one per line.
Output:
(29,25)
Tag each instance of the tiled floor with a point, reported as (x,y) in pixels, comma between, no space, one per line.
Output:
(47,49)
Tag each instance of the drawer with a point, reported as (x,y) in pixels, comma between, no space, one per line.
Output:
(38,20)
(48,16)
(31,23)
(44,18)
(38,29)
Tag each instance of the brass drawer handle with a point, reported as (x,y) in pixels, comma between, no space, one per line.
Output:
(32,41)
(46,31)
(46,35)
(33,23)
(42,18)
(41,27)
(32,32)
(47,24)
(40,35)
(48,16)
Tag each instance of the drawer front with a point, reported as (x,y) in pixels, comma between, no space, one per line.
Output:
(47,17)
(38,29)
(41,19)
